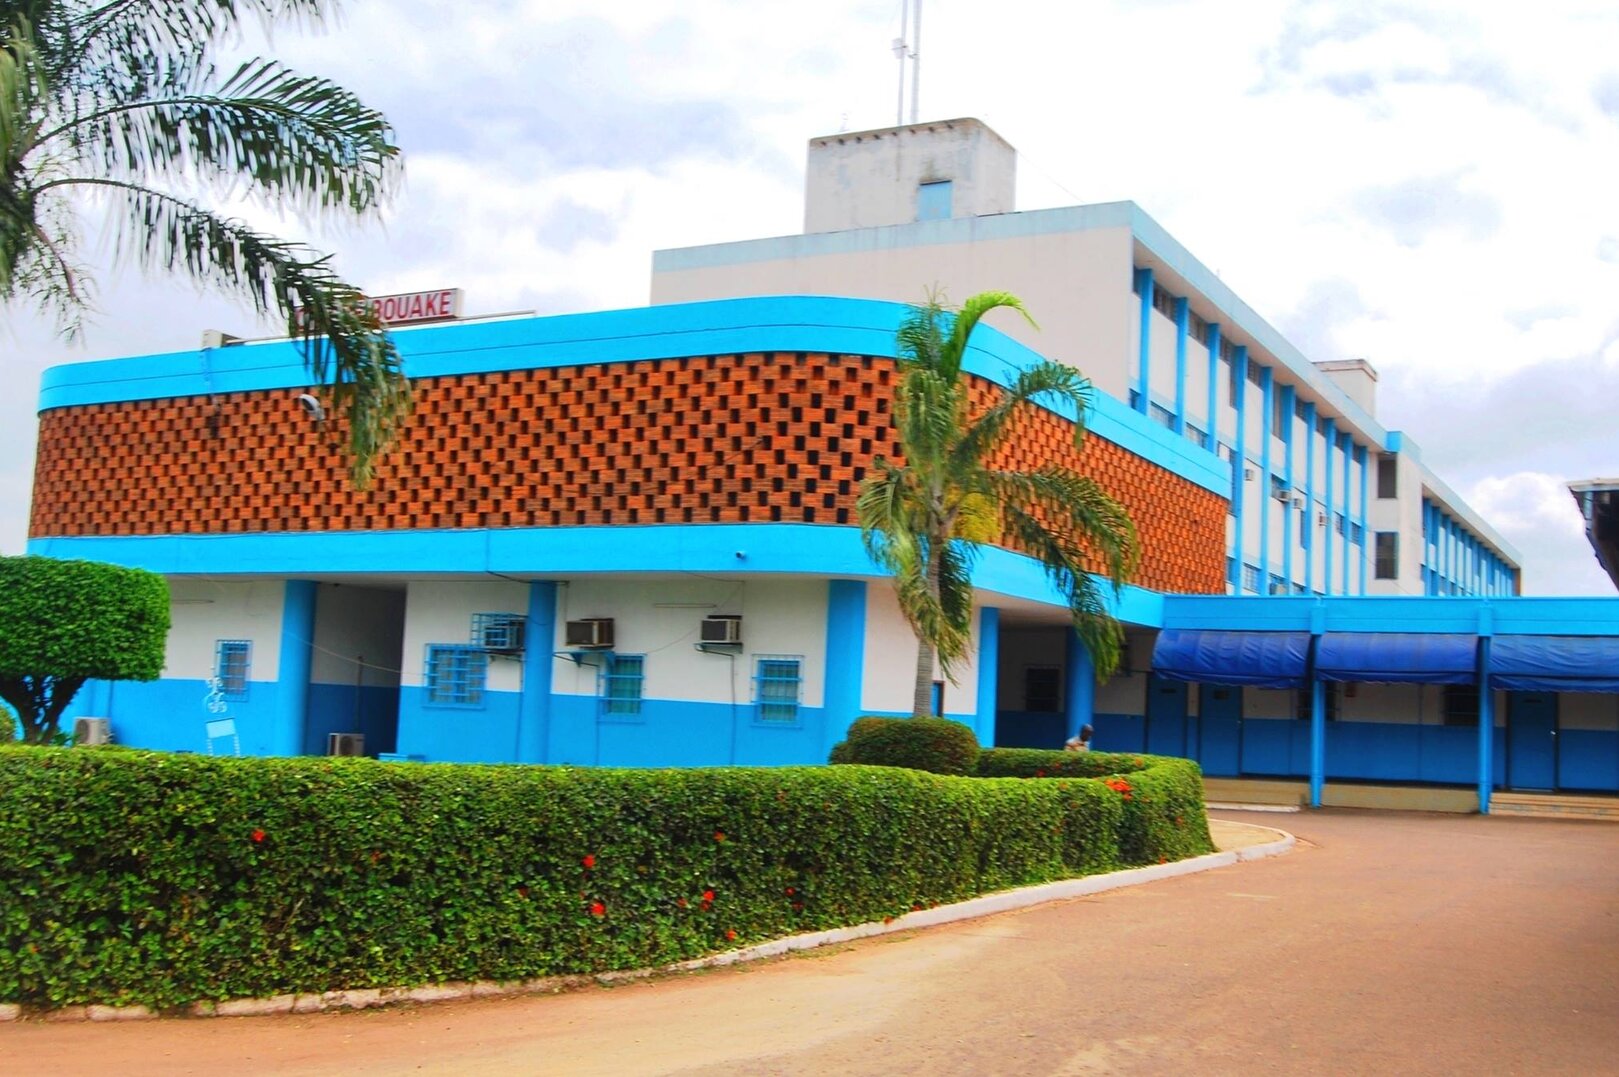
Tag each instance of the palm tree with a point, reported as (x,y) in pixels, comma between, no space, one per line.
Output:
(924,520)
(117,105)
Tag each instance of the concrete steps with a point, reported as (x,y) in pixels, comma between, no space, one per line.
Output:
(1556,806)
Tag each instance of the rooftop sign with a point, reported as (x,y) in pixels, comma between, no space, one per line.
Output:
(409,308)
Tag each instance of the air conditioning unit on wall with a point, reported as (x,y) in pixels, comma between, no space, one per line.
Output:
(92,731)
(501,634)
(345,744)
(722,628)
(591,633)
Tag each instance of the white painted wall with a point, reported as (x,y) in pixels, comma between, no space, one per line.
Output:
(863,179)
(359,633)
(437,612)
(890,660)
(660,619)
(202,612)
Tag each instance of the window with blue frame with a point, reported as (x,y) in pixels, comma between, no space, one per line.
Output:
(1161,415)
(933,201)
(1250,578)
(456,675)
(232,664)
(776,682)
(621,681)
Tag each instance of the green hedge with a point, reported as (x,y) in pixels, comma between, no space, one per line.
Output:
(136,877)
(1164,817)
(937,745)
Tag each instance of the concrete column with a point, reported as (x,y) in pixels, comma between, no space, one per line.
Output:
(989,662)
(1318,739)
(539,645)
(1080,684)
(1182,319)
(292,678)
(1486,728)
(845,658)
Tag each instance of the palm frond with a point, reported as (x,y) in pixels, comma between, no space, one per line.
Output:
(1087,607)
(967,319)
(341,341)
(1078,514)
(300,140)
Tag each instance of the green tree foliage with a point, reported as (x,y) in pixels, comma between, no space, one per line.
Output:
(932,744)
(924,519)
(65,622)
(117,106)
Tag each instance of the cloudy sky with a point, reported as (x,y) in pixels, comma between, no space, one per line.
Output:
(1429,185)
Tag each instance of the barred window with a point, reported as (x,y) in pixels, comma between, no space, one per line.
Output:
(621,682)
(456,675)
(776,683)
(232,661)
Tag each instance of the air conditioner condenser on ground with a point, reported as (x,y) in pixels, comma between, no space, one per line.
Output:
(345,744)
(92,731)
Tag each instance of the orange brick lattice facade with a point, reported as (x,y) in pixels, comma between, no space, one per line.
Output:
(715,439)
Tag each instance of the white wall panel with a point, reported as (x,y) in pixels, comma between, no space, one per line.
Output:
(202,612)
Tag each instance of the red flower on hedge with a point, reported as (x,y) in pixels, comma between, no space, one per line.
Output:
(708,896)
(598,909)
(719,835)
(789,890)
(258,837)
(729,935)
(681,902)
(589,861)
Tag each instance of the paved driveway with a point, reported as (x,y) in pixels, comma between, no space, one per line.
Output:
(1387,943)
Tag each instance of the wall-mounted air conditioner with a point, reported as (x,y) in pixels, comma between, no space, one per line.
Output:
(345,744)
(1277,587)
(1283,496)
(722,628)
(591,633)
(1298,501)
(1248,474)
(92,731)
(501,633)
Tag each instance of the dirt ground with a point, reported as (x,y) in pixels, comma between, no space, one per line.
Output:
(1387,943)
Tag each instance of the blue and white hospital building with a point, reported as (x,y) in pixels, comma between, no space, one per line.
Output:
(626,538)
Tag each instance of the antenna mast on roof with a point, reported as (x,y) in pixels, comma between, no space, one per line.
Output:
(903,51)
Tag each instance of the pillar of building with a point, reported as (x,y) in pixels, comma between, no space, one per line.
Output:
(989,661)
(292,675)
(845,657)
(539,644)
(1080,686)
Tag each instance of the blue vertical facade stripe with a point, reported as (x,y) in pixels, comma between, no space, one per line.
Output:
(1183,312)
(539,645)
(1486,727)
(1364,459)
(1214,387)
(1144,359)
(1307,539)
(989,664)
(1239,459)
(845,658)
(1287,478)
(1318,739)
(1267,388)
(1329,442)
(1349,547)
(1080,683)
(292,678)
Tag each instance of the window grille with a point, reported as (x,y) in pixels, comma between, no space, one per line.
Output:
(232,662)
(776,683)
(622,678)
(456,675)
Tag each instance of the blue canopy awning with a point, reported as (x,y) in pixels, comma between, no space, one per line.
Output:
(1397,657)
(1555,663)
(1251,659)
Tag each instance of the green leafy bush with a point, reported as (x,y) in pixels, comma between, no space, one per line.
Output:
(8,725)
(137,877)
(1164,817)
(937,745)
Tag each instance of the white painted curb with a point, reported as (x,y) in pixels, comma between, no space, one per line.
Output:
(988,905)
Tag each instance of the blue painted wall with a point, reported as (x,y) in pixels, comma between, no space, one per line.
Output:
(169,715)
(344,708)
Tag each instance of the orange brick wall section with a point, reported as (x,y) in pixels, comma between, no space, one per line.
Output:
(714,439)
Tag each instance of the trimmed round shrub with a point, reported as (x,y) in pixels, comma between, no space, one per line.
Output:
(932,744)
